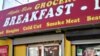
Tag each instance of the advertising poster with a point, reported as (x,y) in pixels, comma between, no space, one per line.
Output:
(3,50)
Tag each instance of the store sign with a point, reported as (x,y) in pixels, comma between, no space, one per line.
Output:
(47,15)
(3,50)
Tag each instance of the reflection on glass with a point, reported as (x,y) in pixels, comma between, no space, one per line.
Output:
(33,0)
(1,4)
(13,3)
(10,4)
(88,50)
(51,51)
(79,52)
(35,51)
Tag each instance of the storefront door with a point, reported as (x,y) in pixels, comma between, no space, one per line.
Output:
(51,50)
(44,50)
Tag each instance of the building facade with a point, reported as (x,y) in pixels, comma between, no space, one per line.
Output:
(51,28)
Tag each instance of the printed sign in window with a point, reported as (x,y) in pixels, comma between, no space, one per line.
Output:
(3,50)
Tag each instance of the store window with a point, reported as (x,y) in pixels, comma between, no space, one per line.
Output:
(44,50)
(35,51)
(6,4)
(88,50)
(51,50)
(1,4)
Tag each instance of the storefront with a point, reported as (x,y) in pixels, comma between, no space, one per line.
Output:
(52,28)
(45,45)
(86,40)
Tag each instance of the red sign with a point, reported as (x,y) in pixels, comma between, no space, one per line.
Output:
(49,14)
(3,50)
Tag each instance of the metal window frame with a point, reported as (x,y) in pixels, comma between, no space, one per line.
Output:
(88,41)
(18,1)
(42,45)
(3,4)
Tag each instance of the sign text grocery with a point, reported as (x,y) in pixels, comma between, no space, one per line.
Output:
(47,15)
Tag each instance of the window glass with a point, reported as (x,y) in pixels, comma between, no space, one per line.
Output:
(51,51)
(1,4)
(10,4)
(42,50)
(33,0)
(13,3)
(22,1)
(88,50)
(34,51)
